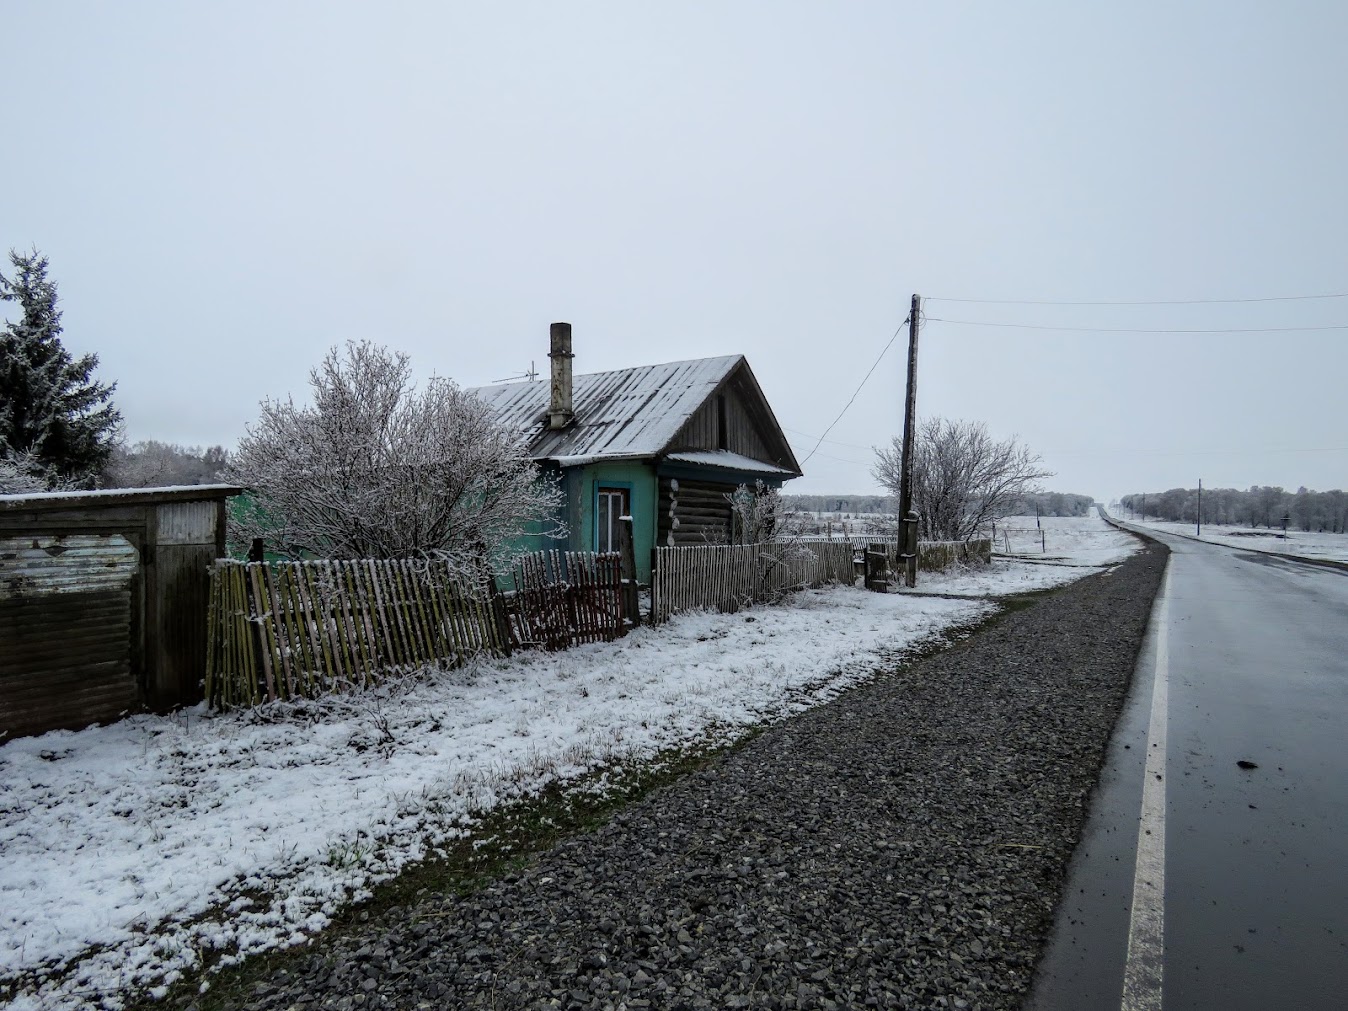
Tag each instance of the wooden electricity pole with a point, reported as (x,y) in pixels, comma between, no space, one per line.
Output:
(907,518)
(1199,531)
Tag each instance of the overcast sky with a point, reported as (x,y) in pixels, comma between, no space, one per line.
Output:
(226,190)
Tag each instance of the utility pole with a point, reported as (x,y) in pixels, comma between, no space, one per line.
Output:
(908,518)
(1199,531)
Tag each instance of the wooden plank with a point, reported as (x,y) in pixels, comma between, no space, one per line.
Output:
(260,630)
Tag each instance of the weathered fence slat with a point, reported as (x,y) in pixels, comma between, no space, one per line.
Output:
(726,577)
(286,629)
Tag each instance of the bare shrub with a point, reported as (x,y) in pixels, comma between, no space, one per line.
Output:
(376,469)
(963,478)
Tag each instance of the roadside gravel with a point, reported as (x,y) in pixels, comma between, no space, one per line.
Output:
(902,846)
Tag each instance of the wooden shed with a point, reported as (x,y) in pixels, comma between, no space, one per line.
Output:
(103,600)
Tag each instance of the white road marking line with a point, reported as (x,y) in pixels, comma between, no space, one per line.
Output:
(1146,930)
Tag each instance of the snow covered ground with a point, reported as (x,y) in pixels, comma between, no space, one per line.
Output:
(1070,547)
(1297,542)
(131,850)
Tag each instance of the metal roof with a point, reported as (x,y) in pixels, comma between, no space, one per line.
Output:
(620,415)
(729,461)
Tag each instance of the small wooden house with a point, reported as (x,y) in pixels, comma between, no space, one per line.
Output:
(666,444)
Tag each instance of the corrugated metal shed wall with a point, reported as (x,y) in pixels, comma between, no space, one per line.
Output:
(104,602)
(67,615)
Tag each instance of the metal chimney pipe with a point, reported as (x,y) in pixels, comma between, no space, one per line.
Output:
(560,413)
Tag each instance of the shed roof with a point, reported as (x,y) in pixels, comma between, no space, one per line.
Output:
(49,500)
(621,415)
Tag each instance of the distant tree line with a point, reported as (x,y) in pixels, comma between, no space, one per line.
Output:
(1050,503)
(153,464)
(844,505)
(1260,506)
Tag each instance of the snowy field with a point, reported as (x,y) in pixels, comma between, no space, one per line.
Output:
(131,850)
(1071,546)
(1312,544)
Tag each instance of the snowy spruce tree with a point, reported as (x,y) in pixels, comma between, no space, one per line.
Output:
(378,469)
(57,423)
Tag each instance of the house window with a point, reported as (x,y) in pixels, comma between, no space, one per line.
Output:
(612,503)
(722,437)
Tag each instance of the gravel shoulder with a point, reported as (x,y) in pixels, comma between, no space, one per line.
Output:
(901,846)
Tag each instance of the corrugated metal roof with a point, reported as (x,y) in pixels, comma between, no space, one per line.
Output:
(728,460)
(625,414)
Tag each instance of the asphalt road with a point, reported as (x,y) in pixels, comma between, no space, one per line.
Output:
(1200,883)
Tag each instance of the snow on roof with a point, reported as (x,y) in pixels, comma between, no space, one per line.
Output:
(730,461)
(625,414)
(117,496)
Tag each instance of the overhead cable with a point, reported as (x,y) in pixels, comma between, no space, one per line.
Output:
(1129,329)
(1175,301)
(856,391)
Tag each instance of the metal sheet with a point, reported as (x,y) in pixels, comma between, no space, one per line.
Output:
(625,414)
(65,563)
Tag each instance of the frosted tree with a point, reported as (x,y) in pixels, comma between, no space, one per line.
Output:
(56,420)
(21,473)
(963,478)
(758,515)
(376,469)
(151,464)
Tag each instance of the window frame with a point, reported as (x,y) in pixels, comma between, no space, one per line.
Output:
(603,489)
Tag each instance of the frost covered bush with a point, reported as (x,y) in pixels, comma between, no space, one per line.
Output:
(377,469)
(23,472)
(963,478)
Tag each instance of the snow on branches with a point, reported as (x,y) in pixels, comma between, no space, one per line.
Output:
(57,422)
(376,469)
(963,478)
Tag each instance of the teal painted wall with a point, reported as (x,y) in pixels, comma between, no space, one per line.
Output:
(583,485)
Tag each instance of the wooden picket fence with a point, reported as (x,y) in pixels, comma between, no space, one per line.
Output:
(937,556)
(726,577)
(281,630)
(566,597)
(290,629)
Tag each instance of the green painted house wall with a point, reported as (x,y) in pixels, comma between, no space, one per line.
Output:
(579,516)
(639,479)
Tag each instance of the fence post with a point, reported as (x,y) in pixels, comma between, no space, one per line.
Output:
(495,602)
(631,599)
(910,548)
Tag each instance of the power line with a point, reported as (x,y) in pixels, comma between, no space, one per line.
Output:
(831,442)
(1176,301)
(856,391)
(1129,329)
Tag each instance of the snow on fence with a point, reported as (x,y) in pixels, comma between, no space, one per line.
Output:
(566,597)
(287,629)
(726,577)
(937,556)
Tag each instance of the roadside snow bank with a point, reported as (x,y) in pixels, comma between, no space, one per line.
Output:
(131,851)
(153,838)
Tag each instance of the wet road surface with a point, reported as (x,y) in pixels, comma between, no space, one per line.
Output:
(1251,903)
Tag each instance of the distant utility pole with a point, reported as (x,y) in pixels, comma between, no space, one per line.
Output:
(908,518)
(1199,531)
